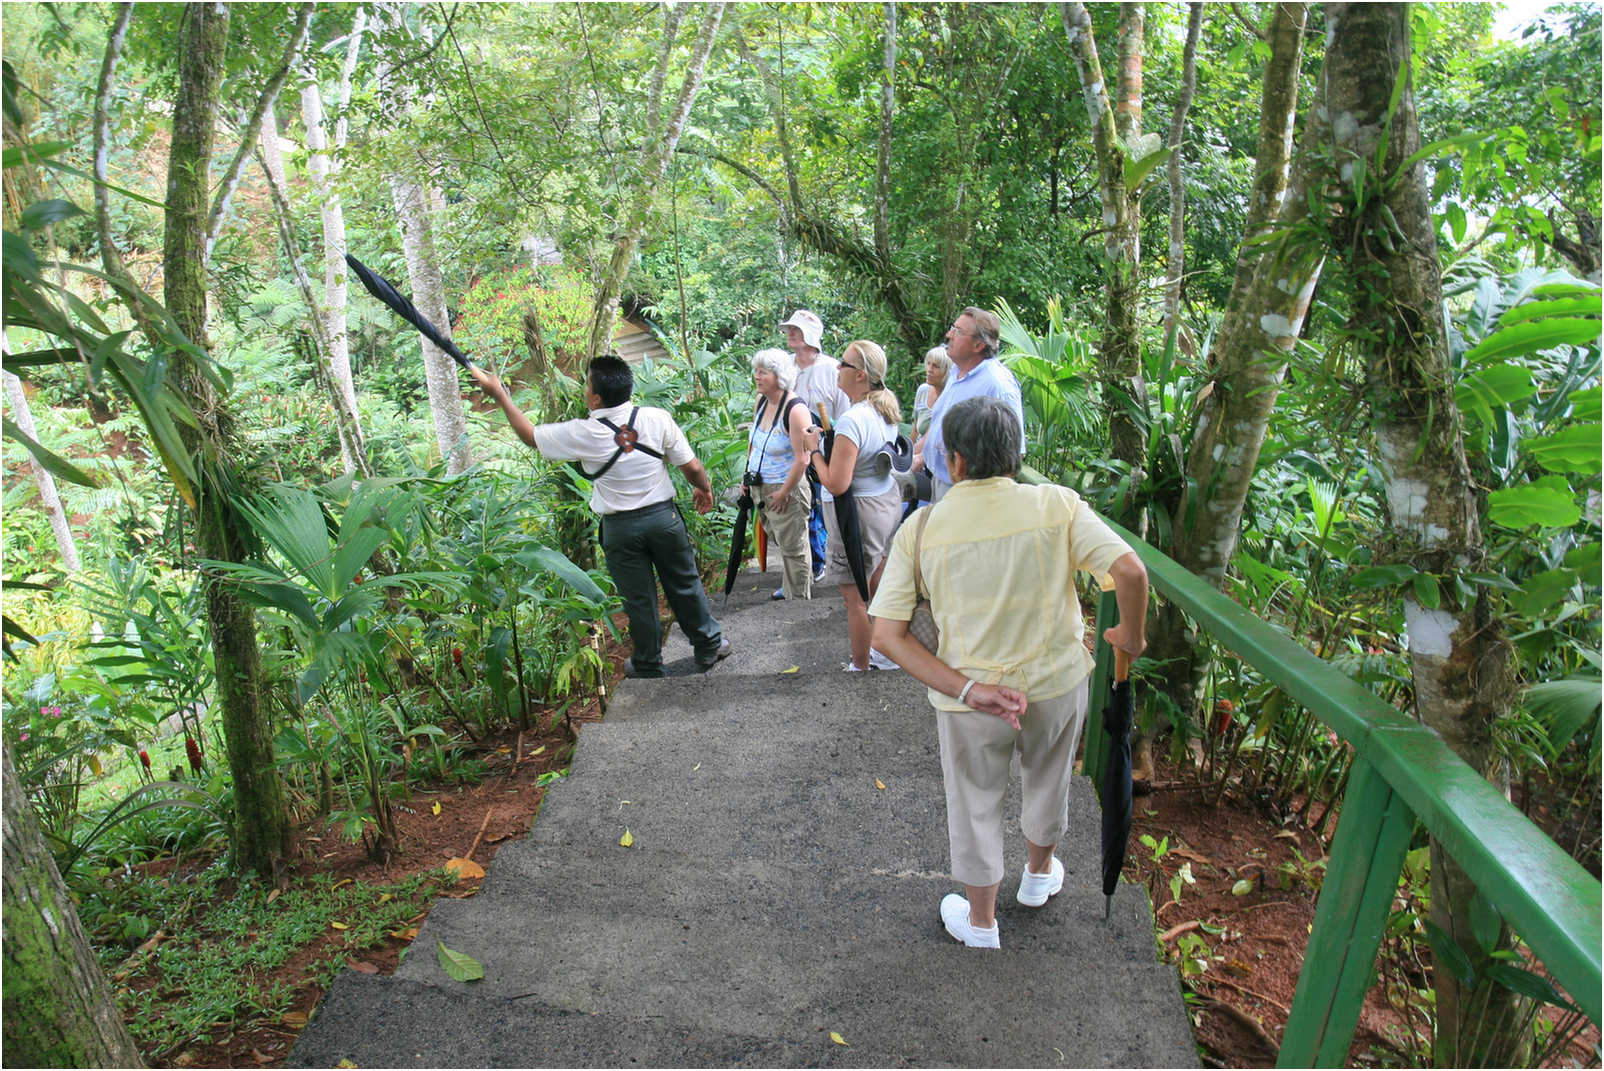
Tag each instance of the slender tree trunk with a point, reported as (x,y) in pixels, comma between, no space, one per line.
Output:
(320,165)
(347,423)
(1116,123)
(1460,658)
(49,500)
(261,817)
(429,294)
(59,1011)
(1263,317)
(655,155)
(1177,262)
(882,170)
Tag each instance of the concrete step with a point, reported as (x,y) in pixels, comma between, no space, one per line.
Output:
(372,1021)
(854,906)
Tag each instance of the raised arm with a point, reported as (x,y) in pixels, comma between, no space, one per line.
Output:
(492,386)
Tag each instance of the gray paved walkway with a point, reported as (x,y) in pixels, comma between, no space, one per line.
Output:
(774,894)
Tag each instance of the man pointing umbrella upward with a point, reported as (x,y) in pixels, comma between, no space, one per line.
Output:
(625,451)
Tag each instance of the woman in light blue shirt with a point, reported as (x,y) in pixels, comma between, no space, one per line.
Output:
(776,462)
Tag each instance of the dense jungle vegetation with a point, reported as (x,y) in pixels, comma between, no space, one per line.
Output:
(1315,312)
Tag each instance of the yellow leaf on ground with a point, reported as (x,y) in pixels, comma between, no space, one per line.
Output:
(294,1019)
(273,895)
(503,751)
(339,926)
(465,868)
(436,808)
(347,1062)
(881,785)
(386,897)
(793,669)
(537,750)
(336,885)
(837,1038)
(627,839)
(404,935)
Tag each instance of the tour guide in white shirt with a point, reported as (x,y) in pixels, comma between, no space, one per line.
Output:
(972,343)
(625,451)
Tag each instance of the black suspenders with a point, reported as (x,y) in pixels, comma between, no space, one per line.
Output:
(628,441)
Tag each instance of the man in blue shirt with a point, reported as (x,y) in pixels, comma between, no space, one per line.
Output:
(972,343)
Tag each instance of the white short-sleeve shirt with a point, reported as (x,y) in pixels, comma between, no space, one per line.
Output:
(637,479)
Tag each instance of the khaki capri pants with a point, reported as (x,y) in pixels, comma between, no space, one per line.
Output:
(976,750)
(788,533)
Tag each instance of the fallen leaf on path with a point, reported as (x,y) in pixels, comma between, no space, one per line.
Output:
(1242,887)
(463,968)
(339,926)
(627,839)
(436,808)
(346,1061)
(794,669)
(336,885)
(465,868)
(386,897)
(881,785)
(404,935)
(837,1038)
(537,750)
(698,766)
(361,965)
(294,1019)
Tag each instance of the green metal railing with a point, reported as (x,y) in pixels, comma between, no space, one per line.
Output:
(1402,771)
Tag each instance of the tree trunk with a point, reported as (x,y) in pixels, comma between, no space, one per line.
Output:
(1263,317)
(1381,226)
(1115,124)
(1177,262)
(321,167)
(49,500)
(261,818)
(59,1011)
(655,154)
(882,170)
(429,294)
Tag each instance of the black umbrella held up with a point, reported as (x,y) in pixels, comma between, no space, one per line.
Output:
(738,539)
(381,288)
(846,517)
(1117,716)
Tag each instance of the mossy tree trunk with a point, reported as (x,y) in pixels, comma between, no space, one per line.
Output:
(59,1011)
(260,831)
(1378,214)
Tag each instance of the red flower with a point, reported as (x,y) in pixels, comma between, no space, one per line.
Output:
(456,656)
(1222,716)
(144,759)
(192,749)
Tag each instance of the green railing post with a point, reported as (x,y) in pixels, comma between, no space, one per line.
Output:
(1355,900)
(1102,671)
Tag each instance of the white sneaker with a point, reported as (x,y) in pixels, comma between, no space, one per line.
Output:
(955,917)
(880,661)
(1034,889)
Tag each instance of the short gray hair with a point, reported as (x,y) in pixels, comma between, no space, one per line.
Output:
(779,362)
(988,329)
(985,433)
(937,355)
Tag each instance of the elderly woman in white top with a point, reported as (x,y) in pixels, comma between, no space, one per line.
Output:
(998,560)
(859,466)
(776,466)
(937,365)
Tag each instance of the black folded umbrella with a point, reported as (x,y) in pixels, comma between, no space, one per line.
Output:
(846,519)
(381,288)
(738,540)
(1117,716)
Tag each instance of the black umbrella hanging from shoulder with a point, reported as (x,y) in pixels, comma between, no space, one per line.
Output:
(846,517)
(381,288)
(1117,716)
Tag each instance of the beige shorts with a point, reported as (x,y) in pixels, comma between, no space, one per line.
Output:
(878,518)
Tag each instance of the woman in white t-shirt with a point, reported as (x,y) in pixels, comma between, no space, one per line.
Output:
(860,466)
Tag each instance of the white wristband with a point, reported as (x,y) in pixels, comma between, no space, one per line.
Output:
(963,696)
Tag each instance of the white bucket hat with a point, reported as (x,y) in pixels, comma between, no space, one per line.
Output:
(809,324)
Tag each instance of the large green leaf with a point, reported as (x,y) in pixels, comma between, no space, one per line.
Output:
(53,463)
(460,966)
(558,563)
(1541,593)
(1494,387)
(1574,448)
(1537,310)
(1530,504)
(1534,336)
(1566,707)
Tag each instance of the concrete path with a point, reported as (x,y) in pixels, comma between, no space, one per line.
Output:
(774,895)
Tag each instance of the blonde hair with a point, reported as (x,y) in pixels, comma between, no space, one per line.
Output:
(874,367)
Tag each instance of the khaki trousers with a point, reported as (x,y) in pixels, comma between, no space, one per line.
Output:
(788,533)
(975,753)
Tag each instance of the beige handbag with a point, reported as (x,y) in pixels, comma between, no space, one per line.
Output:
(922,625)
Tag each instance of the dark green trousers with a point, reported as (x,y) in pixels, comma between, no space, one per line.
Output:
(647,545)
